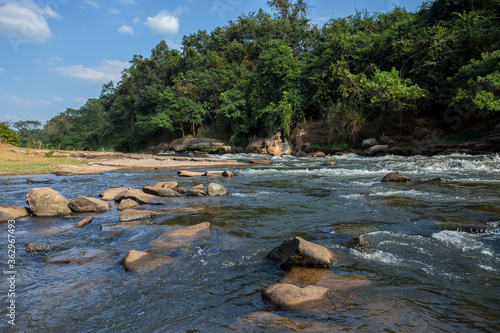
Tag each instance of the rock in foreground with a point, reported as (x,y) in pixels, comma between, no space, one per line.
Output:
(12,213)
(297,252)
(44,201)
(289,297)
(396,177)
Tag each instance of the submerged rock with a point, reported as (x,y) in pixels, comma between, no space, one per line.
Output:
(325,278)
(299,252)
(270,322)
(44,201)
(143,261)
(289,297)
(396,177)
(34,247)
(12,213)
(134,214)
(80,257)
(357,243)
(84,222)
(182,236)
(216,189)
(8,182)
(89,205)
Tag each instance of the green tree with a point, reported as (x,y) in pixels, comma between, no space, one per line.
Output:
(8,135)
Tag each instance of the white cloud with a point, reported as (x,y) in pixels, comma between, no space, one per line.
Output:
(125,29)
(164,22)
(25,22)
(109,71)
(27,102)
(57,99)
(136,20)
(92,3)
(114,11)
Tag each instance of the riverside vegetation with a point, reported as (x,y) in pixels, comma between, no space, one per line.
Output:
(366,74)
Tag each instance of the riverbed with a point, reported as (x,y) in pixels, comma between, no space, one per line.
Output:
(423,278)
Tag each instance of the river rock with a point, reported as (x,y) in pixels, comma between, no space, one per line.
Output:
(299,252)
(112,193)
(84,222)
(168,185)
(270,322)
(325,278)
(134,214)
(128,204)
(319,154)
(357,243)
(44,201)
(227,173)
(216,189)
(140,197)
(34,247)
(83,204)
(276,147)
(378,149)
(8,182)
(289,297)
(181,190)
(80,257)
(143,261)
(182,236)
(196,192)
(368,143)
(330,164)
(186,173)
(396,177)
(12,213)
(213,173)
(161,191)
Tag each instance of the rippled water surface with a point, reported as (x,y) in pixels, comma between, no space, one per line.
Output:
(423,279)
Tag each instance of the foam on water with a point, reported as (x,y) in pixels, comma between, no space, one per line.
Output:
(464,241)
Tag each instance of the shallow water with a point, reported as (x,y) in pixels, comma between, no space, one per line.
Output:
(423,279)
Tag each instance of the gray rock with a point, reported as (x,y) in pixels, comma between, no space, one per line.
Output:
(161,191)
(378,149)
(134,214)
(368,143)
(89,205)
(112,193)
(44,201)
(216,189)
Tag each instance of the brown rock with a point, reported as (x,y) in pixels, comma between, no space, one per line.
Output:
(357,243)
(33,247)
(260,162)
(299,252)
(128,204)
(142,261)
(12,213)
(319,154)
(44,201)
(112,193)
(161,191)
(140,197)
(213,173)
(181,190)
(84,222)
(325,278)
(185,173)
(169,185)
(90,205)
(8,182)
(227,173)
(289,297)
(183,236)
(216,189)
(134,214)
(330,163)
(196,192)
(397,177)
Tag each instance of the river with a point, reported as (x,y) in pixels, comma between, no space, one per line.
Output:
(423,279)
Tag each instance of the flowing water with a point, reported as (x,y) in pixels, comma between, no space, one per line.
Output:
(423,279)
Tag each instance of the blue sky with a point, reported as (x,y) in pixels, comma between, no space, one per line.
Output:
(56,54)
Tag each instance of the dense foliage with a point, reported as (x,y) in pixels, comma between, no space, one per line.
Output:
(271,71)
(8,135)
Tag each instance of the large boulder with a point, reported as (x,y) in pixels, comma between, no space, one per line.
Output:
(186,144)
(142,261)
(289,297)
(276,146)
(44,201)
(12,213)
(378,149)
(128,204)
(140,197)
(396,177)
(83,204)
(214,189)
(367,143)
(297,252)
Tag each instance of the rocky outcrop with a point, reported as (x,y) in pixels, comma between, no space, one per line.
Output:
(83,204)
(112,193)
(377,150)
(297,252)
(273,146)
(289,297)
(143,261)
(368,143)
(44,201)
(191,144)
(214,189)
(84,222)
(396,177)
(12,213)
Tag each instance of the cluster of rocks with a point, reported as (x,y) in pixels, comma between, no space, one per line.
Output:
(310,283)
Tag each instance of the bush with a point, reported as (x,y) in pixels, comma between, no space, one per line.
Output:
(8,135)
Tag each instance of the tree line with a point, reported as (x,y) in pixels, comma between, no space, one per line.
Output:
(273,71)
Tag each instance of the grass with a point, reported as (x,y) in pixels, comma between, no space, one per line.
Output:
(17,163)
